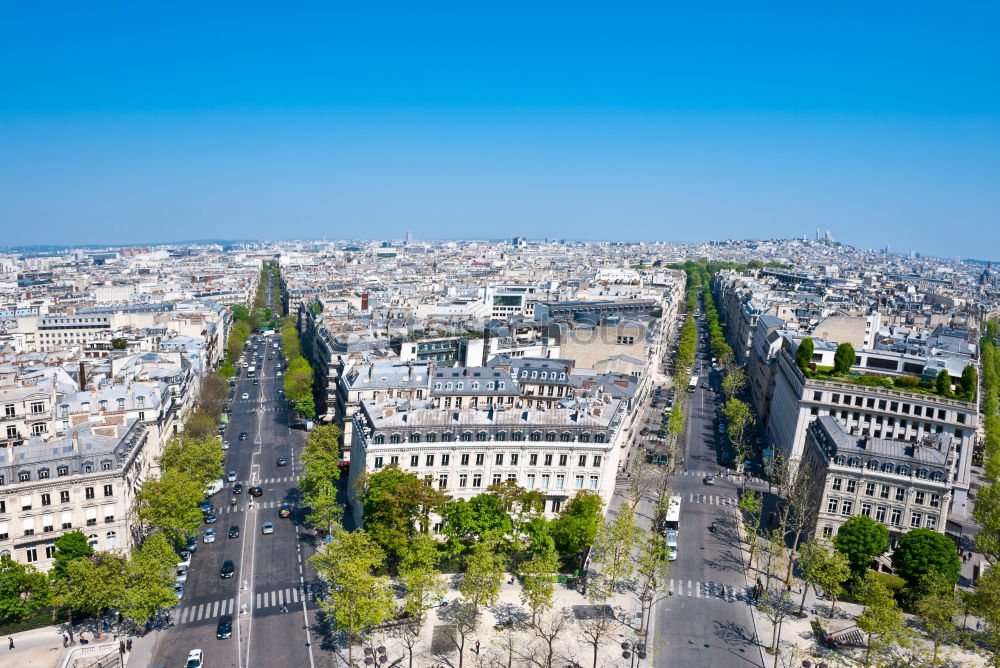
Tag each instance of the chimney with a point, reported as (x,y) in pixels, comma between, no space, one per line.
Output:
(83,376)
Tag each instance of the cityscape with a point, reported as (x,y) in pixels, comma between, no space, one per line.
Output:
(582,335)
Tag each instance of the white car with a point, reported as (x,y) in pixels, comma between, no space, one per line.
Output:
(267,528)
(246,395)
(225,445)
(196,659)
(209,536)
(179,590)
(279,373)
(181,574)
(231,476)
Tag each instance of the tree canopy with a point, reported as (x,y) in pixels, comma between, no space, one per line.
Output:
(576,527)
(844,358)
(804,354)
(861,539)
(923,552)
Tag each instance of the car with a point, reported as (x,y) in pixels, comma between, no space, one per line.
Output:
(285,510)
(231,476)
(192,543)
(722,428)
(278,372)
(243,436)
(209,536)
(210,518)
(255,381)
(181,574)
(179,590)
(709,480)
(225,445)
(234,531)
(268,527)
(256,490)
(282,461)
(238,488)
(205,505)
(228,568)
(225,627)
(246,395)
(196,659)
(185,559)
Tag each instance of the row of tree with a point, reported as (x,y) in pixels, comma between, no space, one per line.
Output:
(298,379)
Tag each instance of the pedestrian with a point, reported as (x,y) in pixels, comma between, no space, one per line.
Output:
(121,646)
(10,640)
(128,645)
(65,640)
(477,647)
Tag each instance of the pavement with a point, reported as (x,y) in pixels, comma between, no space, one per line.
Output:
(43,648)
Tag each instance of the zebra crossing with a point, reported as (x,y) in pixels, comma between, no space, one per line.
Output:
(211,610)
(239,508)
(699,589)
(713,499)
(702,474)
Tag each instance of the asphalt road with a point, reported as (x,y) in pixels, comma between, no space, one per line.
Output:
(270,569)
(705,621)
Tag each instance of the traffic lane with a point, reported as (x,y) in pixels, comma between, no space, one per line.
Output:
(298,631)
(706,631)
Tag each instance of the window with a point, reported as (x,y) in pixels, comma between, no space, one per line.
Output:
(67,519)
(598,438)
(884,492)
(110,539)
(4,530)
(501,436)
(533,460)
(563,460)
(827,531)
(482,436)
(578,482)
(593,482)
(935,501)
(446,437)
(445,460)
(584,437)
(870,489)
(916,519)
(545,481)
(394,459)
(429,460)
(443,482)
(581,460)
(465,459)
(477,480)
(26,502)
(513,459)
(900,494)
(932,521)
(852,486)
(38,407)
(379,439)
(837,484)
(550,437)
(24,476)
(918,498)
(414,438)
(517,436)
(497,477)
(463,480)
(414,460)
(847,507)
(480,458)
(895,517)
(431,438)
(108,490)
(832,505)
(43,474)
(62,471)
(46,499)
(565,437)
(395,438)
(31,555)
(529,481)
(3,506)
(92,540)
(536,436)
(556,505)
(548,460)
(8,410)
(880,514)
(498,459)
(466,436)
(50,550)
(866,509)
(560,481)
(378,462)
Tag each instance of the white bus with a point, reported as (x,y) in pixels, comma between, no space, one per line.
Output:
(250,371)
(672,522)
(693,384)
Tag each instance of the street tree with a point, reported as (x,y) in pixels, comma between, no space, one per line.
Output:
(170,503)
(881,618)
(537,575)
(465,521)
(823,569)
(923,552)
(70,546)
(576,527)
(420,577)
(861,539)
(321,464)
(461,619)
(652,570)
(987,514)
(986,604)
(22,589)
(734,381)
(396,506)
(358,599)
(776,605)
(484,573)
(148,581)
(598,627)
(937,609)
(804,354)
(612,550)
(547,630)
(752,505)
(740,418)
(844,358)
(199,458)
(92,584)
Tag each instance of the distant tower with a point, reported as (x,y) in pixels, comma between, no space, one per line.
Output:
(409,238)
(817,234)
(829,237)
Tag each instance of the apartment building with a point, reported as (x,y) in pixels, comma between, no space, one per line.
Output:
(85,480)
(902,484)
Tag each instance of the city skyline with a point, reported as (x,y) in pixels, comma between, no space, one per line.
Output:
(652,123)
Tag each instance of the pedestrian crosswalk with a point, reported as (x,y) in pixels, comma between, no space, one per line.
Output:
(702,474)
(698,589)
(211,610)
(713,499)
(239,508)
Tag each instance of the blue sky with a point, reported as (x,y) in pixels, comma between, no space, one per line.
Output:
(124,123)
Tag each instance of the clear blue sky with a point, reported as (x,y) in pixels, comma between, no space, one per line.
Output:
(131,122)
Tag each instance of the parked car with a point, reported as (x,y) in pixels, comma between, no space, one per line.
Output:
(192,543)
(209,536)
(181,574)
(210,518)
(179,590)
(196,659)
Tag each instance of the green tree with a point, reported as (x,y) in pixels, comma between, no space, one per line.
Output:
(537,574)
(987,513)
(937,609)
(824,570)
(652,570)
(740,417)
(576,527)
(70,546)
(170,503)
(484,573)
(92,584)
(612,550)
(752,505)
(466,521)
(199,458)
(804,354)
(844,358)
(321,463)
(149,582)
(942,384)
(861,539)
(419,576)
(923,552)
(734,381)
(969,381)
(986,603)
(881,618)
(397,505)
(22,589)
(119,344)
(357,600)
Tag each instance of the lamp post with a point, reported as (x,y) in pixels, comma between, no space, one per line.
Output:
(634,652)
(375,656)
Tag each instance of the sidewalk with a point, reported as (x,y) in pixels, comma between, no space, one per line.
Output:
(43,648)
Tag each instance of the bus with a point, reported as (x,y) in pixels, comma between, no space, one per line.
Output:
(673,519)
(693,384)
(250,371)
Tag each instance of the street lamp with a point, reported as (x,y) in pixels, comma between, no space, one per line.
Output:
(376,656)
(634,652)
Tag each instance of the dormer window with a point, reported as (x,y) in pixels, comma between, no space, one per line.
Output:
(475,386)
(62,471)
(562,376)
(448,386)
(437,386)
(500,385)
(64,410)
(141,401)
(102,405)
(460,386)
(121,404)
(106,465)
